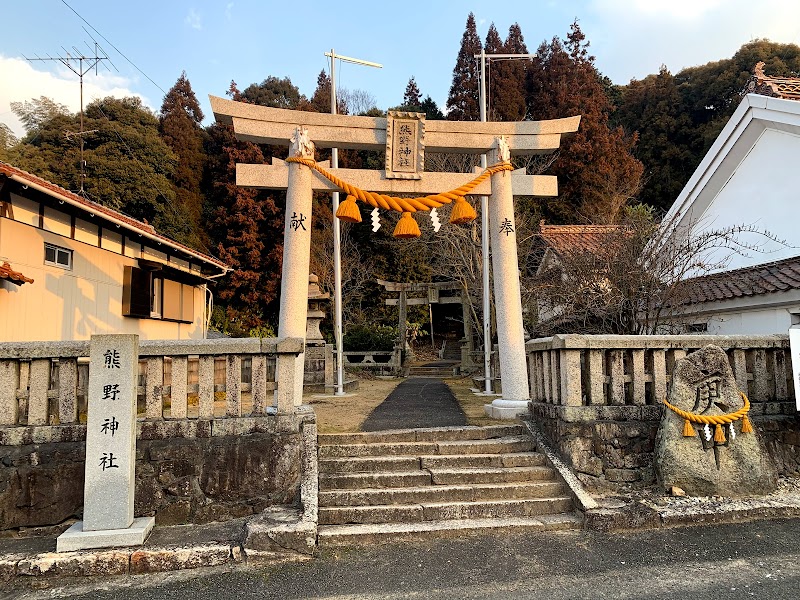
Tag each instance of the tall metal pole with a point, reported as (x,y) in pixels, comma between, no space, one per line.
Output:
(337,253)
(337,237)
(487,305)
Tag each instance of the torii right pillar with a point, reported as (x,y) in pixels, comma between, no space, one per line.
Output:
(507,298)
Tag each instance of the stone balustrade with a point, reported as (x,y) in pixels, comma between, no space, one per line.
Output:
(45,383)
(598,398)
(619,370)
(372,359)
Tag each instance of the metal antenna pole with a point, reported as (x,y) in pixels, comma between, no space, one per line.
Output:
(487,304)
(337,235)
(67,61)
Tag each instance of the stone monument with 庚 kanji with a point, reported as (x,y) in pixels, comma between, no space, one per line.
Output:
(109,483)
(706,444)
(402,187)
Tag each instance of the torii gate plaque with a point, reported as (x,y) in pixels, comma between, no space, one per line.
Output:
(304,130)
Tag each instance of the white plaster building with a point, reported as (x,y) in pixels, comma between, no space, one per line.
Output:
(70,268)
(748,177)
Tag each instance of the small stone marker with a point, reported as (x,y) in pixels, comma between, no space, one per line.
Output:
(110,450)
(707,460)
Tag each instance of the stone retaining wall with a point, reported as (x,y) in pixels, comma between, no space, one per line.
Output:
(598,398)
(612,445)
(187,471)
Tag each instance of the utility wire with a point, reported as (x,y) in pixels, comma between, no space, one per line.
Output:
(122,54)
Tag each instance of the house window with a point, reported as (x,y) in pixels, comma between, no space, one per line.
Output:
(150,295)
(57,256)
(155,297)
(697,328)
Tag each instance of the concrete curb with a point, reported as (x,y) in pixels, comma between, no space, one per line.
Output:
(135,561)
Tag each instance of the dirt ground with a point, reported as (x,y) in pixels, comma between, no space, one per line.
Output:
(344,414)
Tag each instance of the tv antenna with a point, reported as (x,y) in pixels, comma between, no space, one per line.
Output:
(79,63)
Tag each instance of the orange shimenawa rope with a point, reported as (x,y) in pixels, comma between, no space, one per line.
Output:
(403,204)
(718,420)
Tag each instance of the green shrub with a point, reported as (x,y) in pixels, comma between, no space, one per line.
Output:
(360,338)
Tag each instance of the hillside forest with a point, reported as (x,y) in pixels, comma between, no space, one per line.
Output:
(638,144)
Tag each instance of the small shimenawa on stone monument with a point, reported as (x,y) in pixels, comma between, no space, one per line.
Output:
(706,444)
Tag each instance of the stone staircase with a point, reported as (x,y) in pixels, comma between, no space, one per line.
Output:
(413,484)
(439,369)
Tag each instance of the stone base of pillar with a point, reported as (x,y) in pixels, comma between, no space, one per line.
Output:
(506,409)
(75,538)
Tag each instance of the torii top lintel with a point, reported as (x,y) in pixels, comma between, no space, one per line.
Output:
(266,125)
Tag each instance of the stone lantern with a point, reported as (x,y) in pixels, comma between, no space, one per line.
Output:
(318,373)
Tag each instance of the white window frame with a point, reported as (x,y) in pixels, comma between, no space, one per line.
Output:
(57,250)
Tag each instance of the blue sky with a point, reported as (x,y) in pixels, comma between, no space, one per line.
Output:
(247,40)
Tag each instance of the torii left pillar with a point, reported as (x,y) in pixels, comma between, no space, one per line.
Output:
(294,277)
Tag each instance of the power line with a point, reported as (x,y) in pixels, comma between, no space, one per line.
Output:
(122,54)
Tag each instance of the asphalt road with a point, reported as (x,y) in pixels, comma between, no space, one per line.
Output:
(743,560)
(417,402)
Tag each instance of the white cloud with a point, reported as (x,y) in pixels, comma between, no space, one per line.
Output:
(634,38)
(229,11)
(194,20)
(19,82)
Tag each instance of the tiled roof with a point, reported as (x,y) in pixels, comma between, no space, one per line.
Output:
(15,277)
(93,207)
(777,87)
(569,240)
(779,276)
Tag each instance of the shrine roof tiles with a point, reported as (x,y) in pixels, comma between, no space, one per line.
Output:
(778,276)
(61,194)
(15,277)
(569,240)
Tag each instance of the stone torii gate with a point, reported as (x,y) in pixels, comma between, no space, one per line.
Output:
(302,131)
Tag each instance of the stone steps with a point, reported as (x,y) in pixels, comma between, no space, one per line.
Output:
(438,476)
(347,535)
(417,483)
(421,435)
(449,447)
(441,493)
(437,372)
(442,511)
(394,464)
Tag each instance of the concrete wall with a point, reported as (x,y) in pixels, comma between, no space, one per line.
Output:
(755,322)
(74,304)
(760,193)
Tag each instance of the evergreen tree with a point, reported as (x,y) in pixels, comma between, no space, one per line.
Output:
(245,226)
(431,109)
(321,99)
(494,74)
(597,173)
(678,118)
(412,96)
(509,104)
(179,125)
(128,165)
(651,109)
(463,101)
(274,92)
